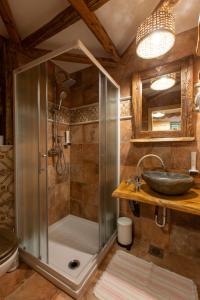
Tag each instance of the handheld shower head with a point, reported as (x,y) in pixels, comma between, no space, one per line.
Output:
(63,96)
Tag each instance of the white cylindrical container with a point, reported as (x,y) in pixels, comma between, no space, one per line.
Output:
(124,227)
(193,160)
(67,137)
(193,169)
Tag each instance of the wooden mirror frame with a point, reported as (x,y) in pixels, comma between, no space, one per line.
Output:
(187,130)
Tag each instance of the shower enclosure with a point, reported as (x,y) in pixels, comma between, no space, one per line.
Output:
(66,164)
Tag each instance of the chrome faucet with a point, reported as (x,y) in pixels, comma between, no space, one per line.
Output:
(137,179)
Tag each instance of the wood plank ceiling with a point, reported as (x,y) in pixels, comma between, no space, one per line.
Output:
(63,20)
(82,9)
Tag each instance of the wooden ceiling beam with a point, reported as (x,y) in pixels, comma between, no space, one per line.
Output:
(95,26)
(9,22)
(79,58)
(67,57)
(60,22)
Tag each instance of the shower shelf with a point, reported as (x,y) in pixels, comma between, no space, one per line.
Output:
(188,202)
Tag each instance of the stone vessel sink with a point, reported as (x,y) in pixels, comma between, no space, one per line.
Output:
(168,183)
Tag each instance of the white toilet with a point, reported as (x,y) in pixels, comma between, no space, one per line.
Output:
(8,251)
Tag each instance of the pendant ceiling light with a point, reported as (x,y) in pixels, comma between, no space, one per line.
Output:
(156,35)
(158,114)
(164,82)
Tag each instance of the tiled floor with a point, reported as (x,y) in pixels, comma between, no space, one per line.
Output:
(25,284)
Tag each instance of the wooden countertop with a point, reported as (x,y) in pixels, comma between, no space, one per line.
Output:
(188,202)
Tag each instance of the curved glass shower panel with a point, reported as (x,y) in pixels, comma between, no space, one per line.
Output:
(109,156)
(112,157)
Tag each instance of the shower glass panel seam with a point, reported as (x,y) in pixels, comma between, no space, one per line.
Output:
(46,202)
(39,156)
(42,172)
(102,97)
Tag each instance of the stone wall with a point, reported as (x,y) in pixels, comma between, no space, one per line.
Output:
(7,218)
(58,185)
(84,150)
(77,191)
(84,173)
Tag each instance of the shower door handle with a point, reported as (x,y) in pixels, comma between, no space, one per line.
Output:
(41,157)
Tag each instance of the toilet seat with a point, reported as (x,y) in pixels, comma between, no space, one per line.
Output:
(8,244)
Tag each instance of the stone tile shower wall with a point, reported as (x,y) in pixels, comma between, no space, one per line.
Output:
(7,218)
(58,185)
(84,152)
(84,158)
(76,192)
(84,172)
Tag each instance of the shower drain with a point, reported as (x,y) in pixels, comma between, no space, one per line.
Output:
(73,264)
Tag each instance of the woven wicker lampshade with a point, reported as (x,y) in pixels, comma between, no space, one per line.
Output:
(156,35)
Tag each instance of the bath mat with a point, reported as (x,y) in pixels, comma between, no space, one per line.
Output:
(128,277)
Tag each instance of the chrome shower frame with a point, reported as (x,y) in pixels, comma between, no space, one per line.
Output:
(64,283)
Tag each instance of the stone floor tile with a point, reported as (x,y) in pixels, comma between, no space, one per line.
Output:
(11,281)
(61,296)
(26,284)
(34,288)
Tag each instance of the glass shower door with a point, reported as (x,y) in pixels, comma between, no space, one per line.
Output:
(109,157)
(30,160)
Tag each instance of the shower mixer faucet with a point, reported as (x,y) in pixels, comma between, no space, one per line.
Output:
(138,177)
(146,156)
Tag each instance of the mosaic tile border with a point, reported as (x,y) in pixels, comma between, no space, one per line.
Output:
(88,113)
(125,108)
(64,115)
(85,113)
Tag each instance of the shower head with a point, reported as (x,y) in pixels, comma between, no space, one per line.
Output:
(68,83)
(64,79)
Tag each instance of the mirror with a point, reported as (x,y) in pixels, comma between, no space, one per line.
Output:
(163,101)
